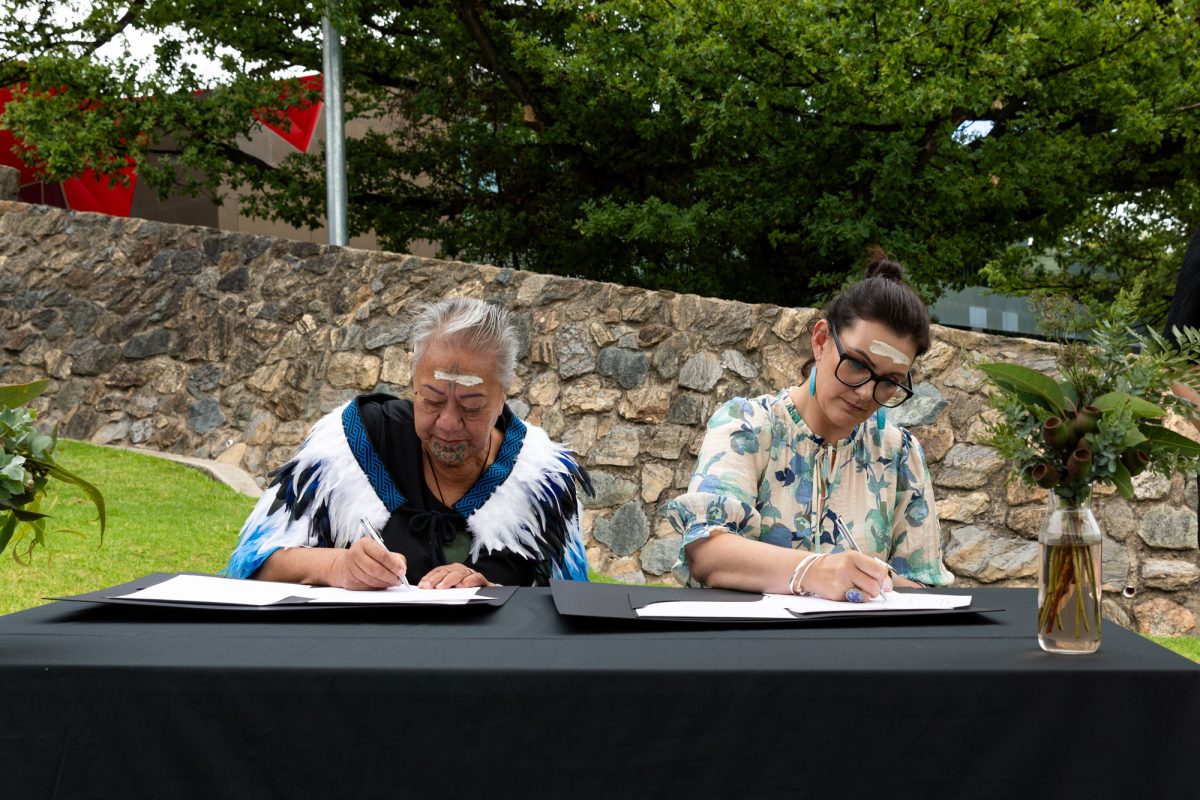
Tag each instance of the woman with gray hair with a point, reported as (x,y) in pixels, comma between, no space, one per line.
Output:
(449,488)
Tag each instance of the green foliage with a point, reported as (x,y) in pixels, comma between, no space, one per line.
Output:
(162,517)
(1030,386)
(745,150)
(1102,421)
(27,464)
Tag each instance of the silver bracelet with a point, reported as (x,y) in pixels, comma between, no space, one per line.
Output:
(803,562)
(800,584)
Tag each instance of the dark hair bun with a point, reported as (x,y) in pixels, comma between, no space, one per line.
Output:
(881,265)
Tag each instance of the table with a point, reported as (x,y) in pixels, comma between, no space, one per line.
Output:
(518,701)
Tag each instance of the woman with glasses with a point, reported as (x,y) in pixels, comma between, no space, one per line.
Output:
(812,490)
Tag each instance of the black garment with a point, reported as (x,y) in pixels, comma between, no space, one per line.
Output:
(423,526)
(1185,311)
(1185,307)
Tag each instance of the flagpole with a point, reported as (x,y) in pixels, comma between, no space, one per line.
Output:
(335,134)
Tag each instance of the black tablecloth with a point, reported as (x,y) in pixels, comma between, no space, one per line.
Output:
(518,701)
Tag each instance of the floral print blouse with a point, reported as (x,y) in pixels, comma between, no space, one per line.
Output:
(763,474)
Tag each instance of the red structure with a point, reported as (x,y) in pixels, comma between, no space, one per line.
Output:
(89,192)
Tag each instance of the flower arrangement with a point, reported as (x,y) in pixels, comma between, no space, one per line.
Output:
(1100,421)
(26,466)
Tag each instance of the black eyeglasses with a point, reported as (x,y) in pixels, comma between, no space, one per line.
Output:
(854,373)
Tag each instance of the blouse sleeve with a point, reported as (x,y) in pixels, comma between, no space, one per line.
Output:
(917,534)
(725,483)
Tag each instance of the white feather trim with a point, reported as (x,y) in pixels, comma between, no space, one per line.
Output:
(513,517)
(341,483)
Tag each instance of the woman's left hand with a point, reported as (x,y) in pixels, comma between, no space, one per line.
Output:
(453,576)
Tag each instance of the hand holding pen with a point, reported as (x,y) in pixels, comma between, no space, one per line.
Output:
(854,594)
(390,561)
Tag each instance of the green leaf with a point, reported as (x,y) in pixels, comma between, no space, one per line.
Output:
(1019,379)
(24,515)
(65,475)
(6,531)
(1069,392)
(1162,437)
(13,395)
(1133,437)
(12,468)
(1143,409)
(1123,481)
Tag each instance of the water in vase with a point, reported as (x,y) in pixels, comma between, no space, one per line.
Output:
(1069,583)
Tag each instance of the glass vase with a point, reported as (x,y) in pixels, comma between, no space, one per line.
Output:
(1069,578)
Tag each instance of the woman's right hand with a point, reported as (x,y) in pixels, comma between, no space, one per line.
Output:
(832,575)
(366,564)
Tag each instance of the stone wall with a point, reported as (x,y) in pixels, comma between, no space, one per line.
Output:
(10,183)
(229,346)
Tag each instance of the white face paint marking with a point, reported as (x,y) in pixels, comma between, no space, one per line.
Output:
(461,380)
(885,350)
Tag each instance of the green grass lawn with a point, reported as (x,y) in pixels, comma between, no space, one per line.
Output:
(162,517)
(1187,646)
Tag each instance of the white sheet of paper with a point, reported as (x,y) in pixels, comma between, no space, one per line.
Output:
(699,609)
(237,592)
(780,606)
(395,595)
(210,589)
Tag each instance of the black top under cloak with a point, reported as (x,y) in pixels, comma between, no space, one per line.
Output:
(1185,307)
(422,527)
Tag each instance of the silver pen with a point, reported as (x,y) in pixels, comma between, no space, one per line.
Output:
(374,534)
(844,533)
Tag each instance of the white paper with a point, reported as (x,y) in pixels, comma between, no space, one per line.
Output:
(781,606)
(237,592)
(394,595)
(210,589)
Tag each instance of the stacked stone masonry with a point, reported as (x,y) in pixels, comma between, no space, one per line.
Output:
(215,344)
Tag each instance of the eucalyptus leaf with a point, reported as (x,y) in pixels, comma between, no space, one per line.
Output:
(1123,481)
(19,394)
(1159,436)
(41,445)
(13,468)
(1024,380)
(1133,437)
(1142,409)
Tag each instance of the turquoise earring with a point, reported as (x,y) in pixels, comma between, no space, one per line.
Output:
(880,418)
(812,381)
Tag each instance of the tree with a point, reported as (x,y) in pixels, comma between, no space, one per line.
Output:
(744,150)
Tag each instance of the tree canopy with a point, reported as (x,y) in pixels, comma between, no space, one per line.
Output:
(742,150)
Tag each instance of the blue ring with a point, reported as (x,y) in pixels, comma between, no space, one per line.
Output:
(854,596)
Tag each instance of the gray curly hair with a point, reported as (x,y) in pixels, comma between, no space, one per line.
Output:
(473,325)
